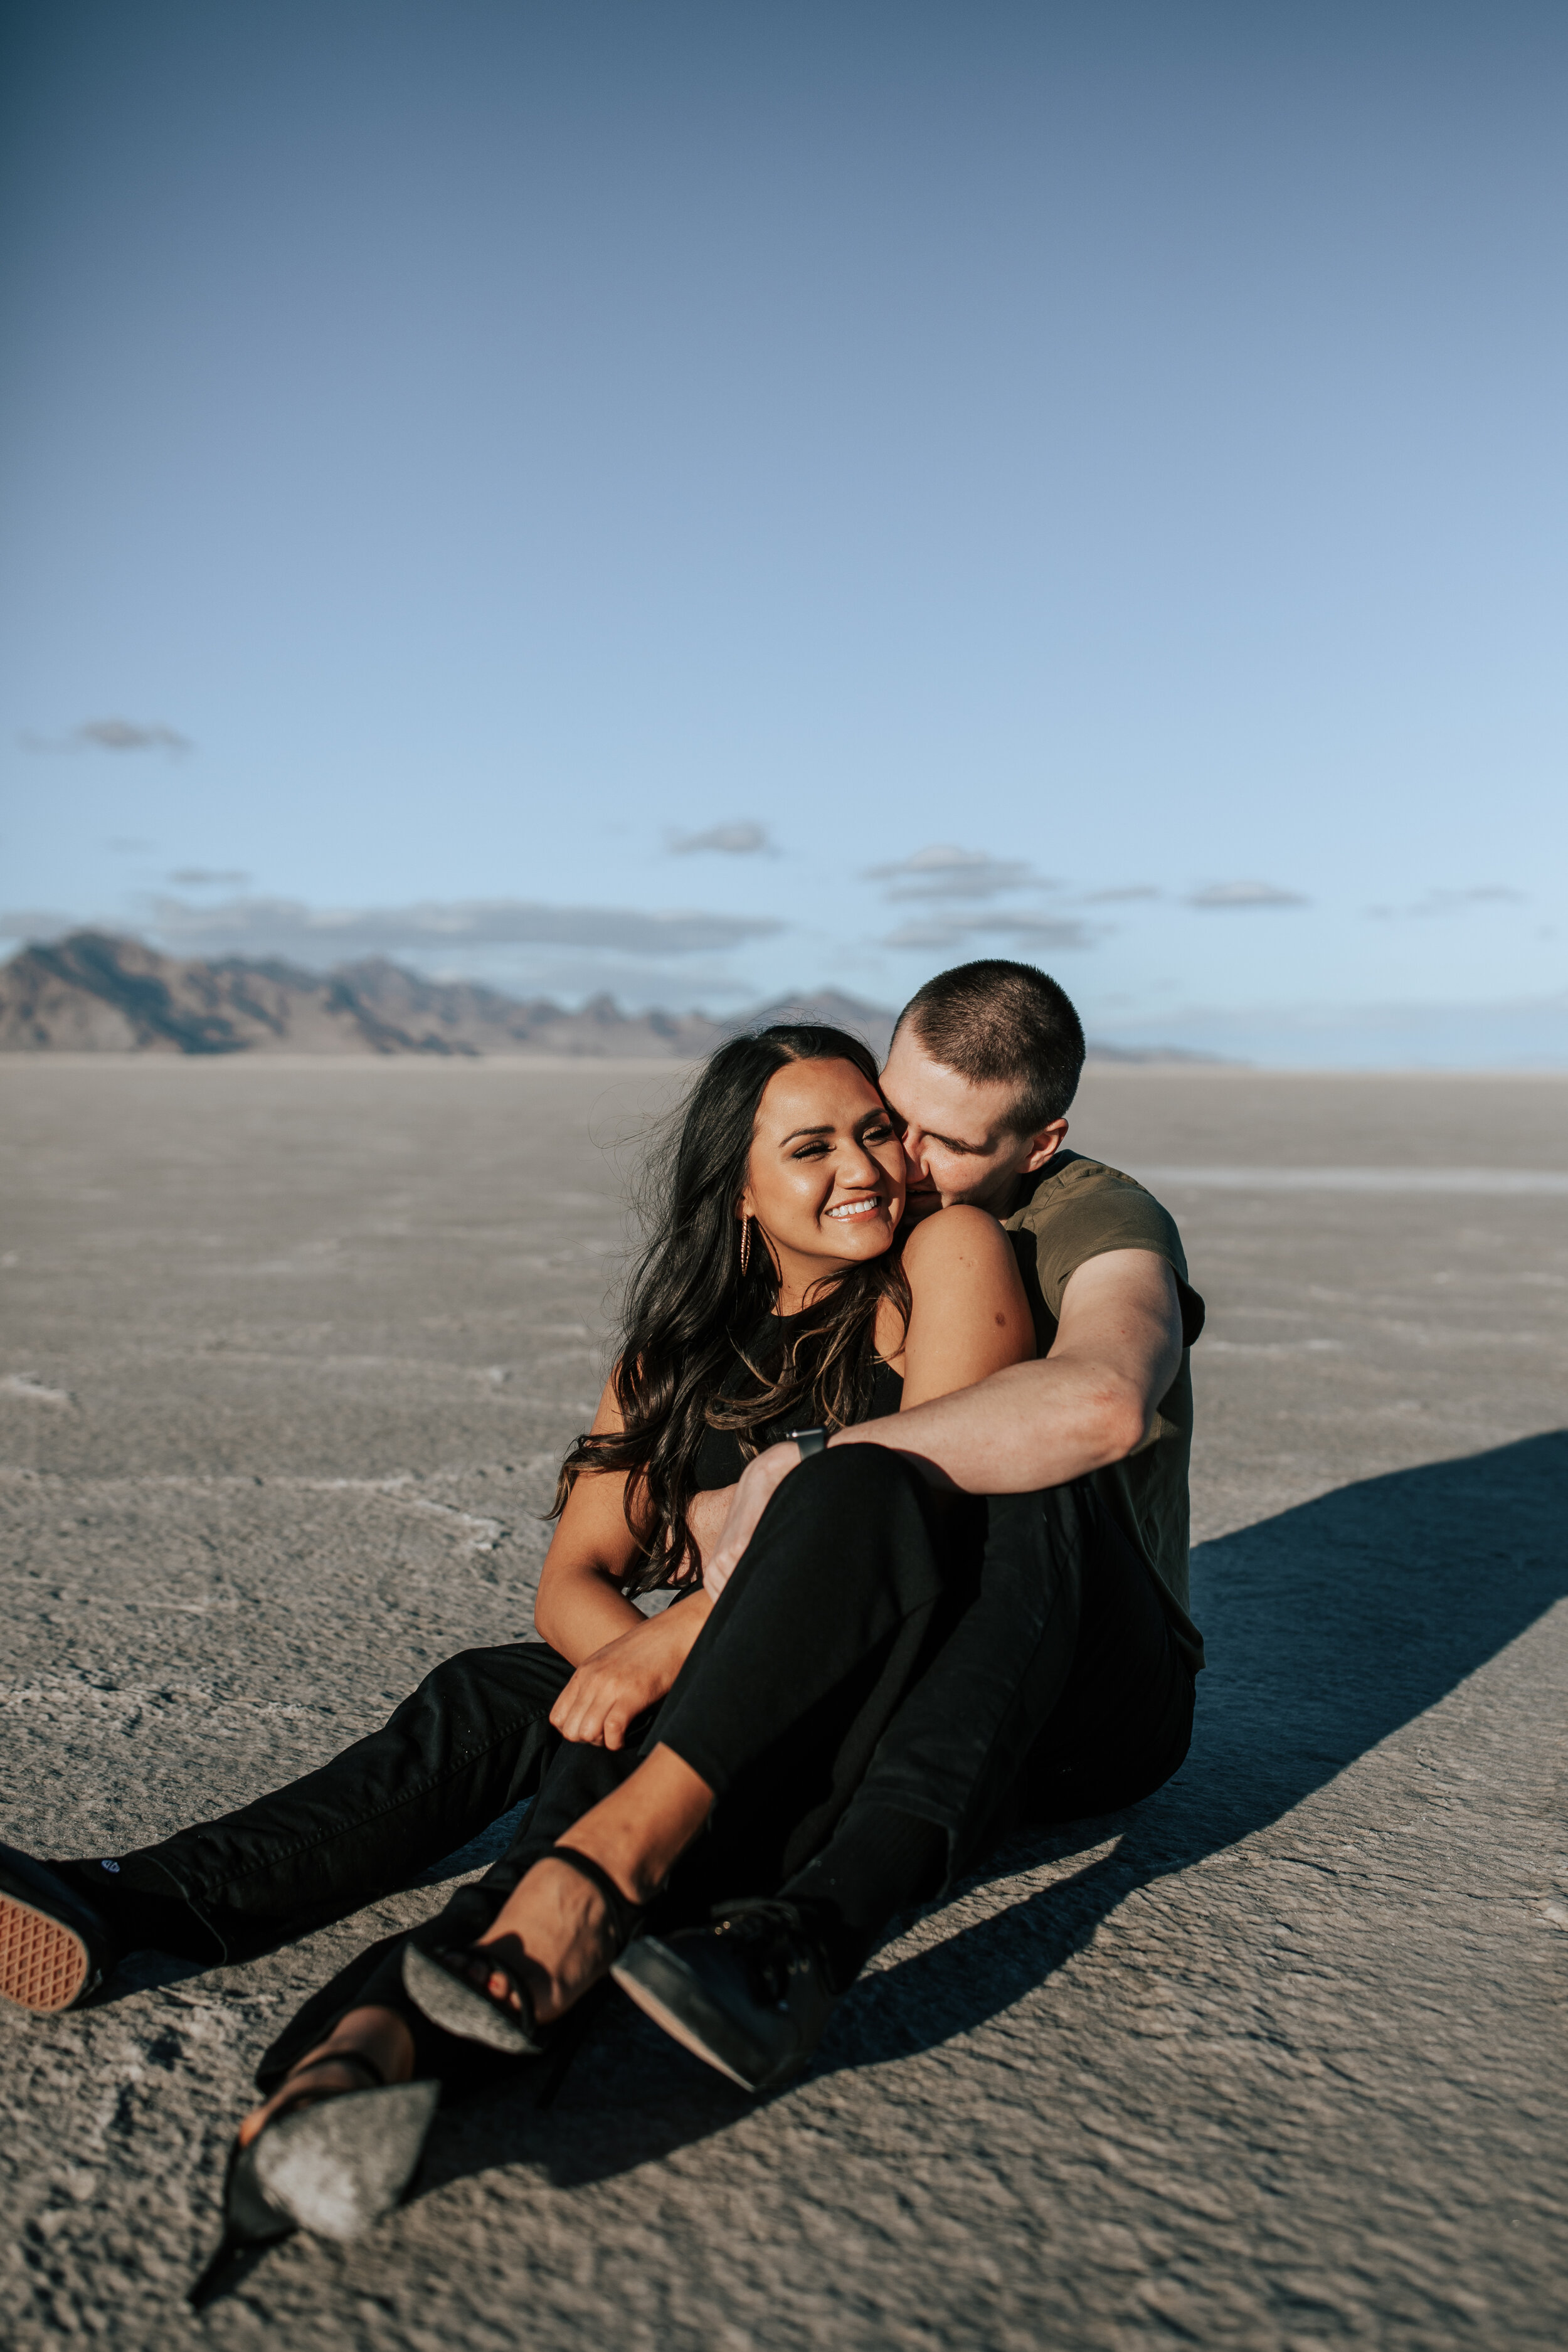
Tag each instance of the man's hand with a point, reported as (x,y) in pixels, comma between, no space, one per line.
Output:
(759,1482)
(628,1675)
(706,1515)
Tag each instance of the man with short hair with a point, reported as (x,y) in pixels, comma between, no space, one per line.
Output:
(1065,1689)
(1061,1686)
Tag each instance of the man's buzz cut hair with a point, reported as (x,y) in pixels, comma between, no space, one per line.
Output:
(998,1021)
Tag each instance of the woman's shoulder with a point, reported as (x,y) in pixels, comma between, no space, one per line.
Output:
(950,1237)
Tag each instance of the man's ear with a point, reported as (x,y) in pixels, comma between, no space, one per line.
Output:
(1046,1143)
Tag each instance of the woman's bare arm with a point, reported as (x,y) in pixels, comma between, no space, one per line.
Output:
(969,1319)
(969,1315)
(626,1662)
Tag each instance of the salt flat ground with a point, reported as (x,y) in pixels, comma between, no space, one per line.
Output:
(288,1355)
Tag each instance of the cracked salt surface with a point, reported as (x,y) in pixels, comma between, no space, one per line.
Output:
(1273,2061)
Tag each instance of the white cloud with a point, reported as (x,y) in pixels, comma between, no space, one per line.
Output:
(939,937)
(1244,894)
(1114,897)
(945,871)
(327,935)
(203,877)
(945,934)
(1044,930)
(745,839)
(113,735)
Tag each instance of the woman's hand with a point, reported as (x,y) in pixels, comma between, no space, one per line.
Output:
(759,1482)
(628,1675)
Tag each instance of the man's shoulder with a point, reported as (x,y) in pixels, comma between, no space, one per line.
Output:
(1077,1208)
(1070,1181)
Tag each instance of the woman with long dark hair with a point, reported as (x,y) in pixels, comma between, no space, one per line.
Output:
(771,1298)
(775,1297)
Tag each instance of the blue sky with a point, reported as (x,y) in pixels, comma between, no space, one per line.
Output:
(704,500)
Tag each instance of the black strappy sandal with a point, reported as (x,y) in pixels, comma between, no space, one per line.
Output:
(440,1987)
(331,2162)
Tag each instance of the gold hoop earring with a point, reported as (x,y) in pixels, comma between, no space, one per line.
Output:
(745,1243)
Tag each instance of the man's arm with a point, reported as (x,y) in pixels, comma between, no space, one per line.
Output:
(1089,1402)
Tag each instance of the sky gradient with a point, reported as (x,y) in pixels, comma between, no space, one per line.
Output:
(706,500)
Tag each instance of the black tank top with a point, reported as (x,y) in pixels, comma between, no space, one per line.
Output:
(719,1460)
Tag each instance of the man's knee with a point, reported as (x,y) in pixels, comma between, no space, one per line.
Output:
(850,1479)
(860,1518)
(516,1678)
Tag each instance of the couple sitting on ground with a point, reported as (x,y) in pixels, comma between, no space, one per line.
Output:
(901,1414)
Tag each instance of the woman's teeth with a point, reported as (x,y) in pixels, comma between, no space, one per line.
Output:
(847,1209)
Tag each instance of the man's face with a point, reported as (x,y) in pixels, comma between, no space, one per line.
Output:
(956,1138)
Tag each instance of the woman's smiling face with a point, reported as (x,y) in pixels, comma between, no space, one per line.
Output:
(825,1176)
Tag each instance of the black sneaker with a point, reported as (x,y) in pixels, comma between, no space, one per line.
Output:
(749,1994)
(55,1947)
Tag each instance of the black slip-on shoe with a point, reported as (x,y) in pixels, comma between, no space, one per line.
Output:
(749,1994)
(54,1947)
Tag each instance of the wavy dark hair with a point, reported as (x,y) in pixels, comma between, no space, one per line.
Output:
(689,1311)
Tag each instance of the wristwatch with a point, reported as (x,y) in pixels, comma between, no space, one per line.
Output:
(810,1440)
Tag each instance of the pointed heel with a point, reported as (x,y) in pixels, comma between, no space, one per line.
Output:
(249,2226)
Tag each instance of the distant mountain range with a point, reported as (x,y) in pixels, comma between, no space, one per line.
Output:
(96,994)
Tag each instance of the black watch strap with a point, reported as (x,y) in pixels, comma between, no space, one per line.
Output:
(810,1440)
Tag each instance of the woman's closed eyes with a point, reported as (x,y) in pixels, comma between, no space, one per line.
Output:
(878,1131)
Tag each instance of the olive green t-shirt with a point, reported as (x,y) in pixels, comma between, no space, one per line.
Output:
(1075,1209)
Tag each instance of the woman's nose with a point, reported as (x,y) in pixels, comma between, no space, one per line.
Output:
(858,1170)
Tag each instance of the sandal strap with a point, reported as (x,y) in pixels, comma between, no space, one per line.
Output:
(332,2058)
(492,1958)
(625,1916)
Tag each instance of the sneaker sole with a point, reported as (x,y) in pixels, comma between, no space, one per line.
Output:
(43,1965)
(639,1974)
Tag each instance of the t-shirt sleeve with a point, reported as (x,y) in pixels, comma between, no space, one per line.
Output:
(1104,1217)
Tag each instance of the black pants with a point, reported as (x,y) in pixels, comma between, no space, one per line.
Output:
(462,1749)
(972,1665)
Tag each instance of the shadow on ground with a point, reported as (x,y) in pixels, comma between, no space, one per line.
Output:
(1328,1627)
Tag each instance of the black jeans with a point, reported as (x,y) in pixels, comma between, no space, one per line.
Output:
(975,1665)
(462,1749)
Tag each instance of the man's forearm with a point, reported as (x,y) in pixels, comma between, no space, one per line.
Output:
(1091,1401)
(1033,1425)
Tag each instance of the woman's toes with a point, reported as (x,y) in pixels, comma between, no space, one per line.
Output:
(499,1988)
